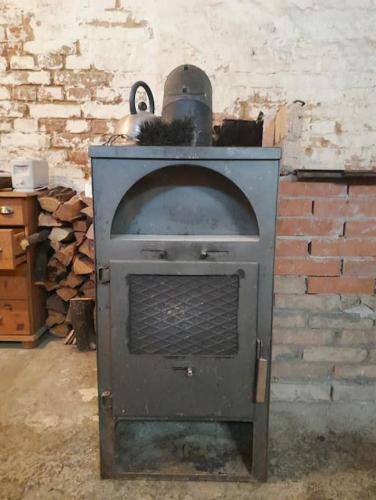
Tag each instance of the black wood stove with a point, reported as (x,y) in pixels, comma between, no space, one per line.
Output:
(185,249)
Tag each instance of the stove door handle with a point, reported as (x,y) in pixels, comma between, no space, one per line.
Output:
(205,254)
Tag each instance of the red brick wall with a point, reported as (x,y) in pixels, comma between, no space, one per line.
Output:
(324,328)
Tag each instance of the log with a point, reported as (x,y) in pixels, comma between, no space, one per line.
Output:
(48,220)
(55,245)
(86,199)
(49,286)
(40,261)
(69,210)
(69,338)
(81,225)
(82,318)
(56,271)
(73,280)
(34,238)
(88,211)
(61,234)
(83,265)
(66,293)
(54,318)
(66,253)
(90,232)
(80,236)
(53,198)
(87,248)
(87,290)
(60,330)
(55,303)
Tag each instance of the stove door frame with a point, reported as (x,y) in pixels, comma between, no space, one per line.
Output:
(213,391)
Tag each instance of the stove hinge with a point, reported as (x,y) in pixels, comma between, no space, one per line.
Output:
(106,401)
(261,373)
(104,275)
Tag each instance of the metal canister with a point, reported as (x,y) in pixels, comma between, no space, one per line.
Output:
(188,93)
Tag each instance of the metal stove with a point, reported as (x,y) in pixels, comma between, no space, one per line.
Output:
(185,250)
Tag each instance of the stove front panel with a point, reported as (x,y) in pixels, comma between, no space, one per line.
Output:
(183,338)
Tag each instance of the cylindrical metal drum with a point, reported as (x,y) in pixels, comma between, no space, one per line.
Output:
(188,93)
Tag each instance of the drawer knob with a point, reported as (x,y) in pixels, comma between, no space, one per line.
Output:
(6,210)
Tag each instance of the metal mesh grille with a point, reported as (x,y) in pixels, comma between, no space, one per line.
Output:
(182,315)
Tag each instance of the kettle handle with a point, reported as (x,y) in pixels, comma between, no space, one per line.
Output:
(132,96)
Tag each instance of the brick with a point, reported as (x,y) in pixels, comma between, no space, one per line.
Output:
(22,62)
(360,267)
(25,77)
(357,337)
(300,370)
(25,93)
(54,110)
(338,320)
(3,64)
(52,124)
(77,126)
(77,62)
(289,284)
(9,109)
(320,302)
(311,189)
(291,207)
(342,284)
(18,139)
(362,190)
(6,125)
(345,208)
(102,126)
(103,111)
(66,140)
(108,94)
(288,319)
(335,354)
(79,157)
(281,352)
(4,93)
(302,336)
(308,267)
(25,125)
(50,93)
(356,247)
(297,226)
(350,372)
(353,392)
(78,94)
(50,61)
(289,248)
(300,392)
(85,79)
(360,228)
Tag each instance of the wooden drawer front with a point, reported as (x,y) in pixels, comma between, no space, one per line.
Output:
(12,212)
(13,284)
(14,317)
(11,253)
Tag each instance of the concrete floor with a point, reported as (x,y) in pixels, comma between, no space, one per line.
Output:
(49,441)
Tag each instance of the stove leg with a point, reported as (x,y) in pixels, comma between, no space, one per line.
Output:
(107,445)
(260,443)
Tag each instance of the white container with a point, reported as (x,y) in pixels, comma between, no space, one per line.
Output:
(29,174)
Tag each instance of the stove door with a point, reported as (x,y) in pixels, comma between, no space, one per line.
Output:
(183,338)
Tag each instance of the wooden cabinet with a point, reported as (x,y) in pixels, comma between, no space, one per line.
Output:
(22,304)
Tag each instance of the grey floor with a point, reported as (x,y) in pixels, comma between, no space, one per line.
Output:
(49,440)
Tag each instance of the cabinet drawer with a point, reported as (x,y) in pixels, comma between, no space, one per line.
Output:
(11,253)
(12,212)
(13,284)
(14,317)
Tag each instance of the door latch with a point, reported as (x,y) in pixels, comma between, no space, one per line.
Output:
(104,274)
(187,369)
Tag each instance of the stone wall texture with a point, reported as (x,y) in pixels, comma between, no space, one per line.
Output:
(66,69)
(65,73)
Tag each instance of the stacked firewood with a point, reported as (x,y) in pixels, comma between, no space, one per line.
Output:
(66,271)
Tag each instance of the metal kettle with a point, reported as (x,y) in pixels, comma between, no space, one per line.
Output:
(130,125)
